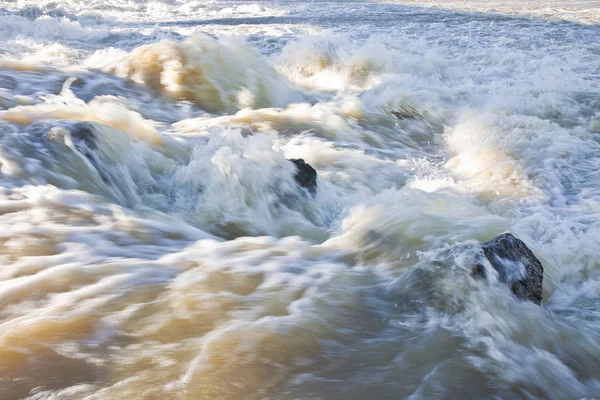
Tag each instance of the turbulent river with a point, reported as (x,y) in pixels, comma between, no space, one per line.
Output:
(154,242)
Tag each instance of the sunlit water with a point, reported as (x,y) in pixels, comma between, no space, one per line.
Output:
(176,258)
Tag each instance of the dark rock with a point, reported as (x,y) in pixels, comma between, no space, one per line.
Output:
(306,176)
(517,266)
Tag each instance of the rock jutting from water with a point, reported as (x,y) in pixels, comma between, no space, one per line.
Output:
(517,266)
(306,176)
(85,139)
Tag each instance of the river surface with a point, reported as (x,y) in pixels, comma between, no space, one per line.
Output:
(154,243)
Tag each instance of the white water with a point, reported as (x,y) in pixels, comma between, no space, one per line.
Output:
(179,259)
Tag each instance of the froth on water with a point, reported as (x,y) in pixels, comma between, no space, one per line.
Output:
(157,242)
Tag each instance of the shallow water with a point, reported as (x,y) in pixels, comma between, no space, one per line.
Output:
(173,256)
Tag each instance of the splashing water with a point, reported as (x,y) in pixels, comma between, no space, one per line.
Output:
(156,245)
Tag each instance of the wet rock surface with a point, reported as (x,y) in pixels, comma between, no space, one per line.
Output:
(516,265)
(306,176)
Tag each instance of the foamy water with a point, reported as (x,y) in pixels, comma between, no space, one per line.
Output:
(175,257)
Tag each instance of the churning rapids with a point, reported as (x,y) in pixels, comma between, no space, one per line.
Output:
(155,243)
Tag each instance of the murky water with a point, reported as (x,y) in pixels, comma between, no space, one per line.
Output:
(155,244)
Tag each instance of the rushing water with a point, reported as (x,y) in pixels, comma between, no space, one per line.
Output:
(173,256)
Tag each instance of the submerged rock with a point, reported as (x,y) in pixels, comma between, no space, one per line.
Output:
(85,141)
(517,266)
(306,176)
(84,137)
(31,13)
